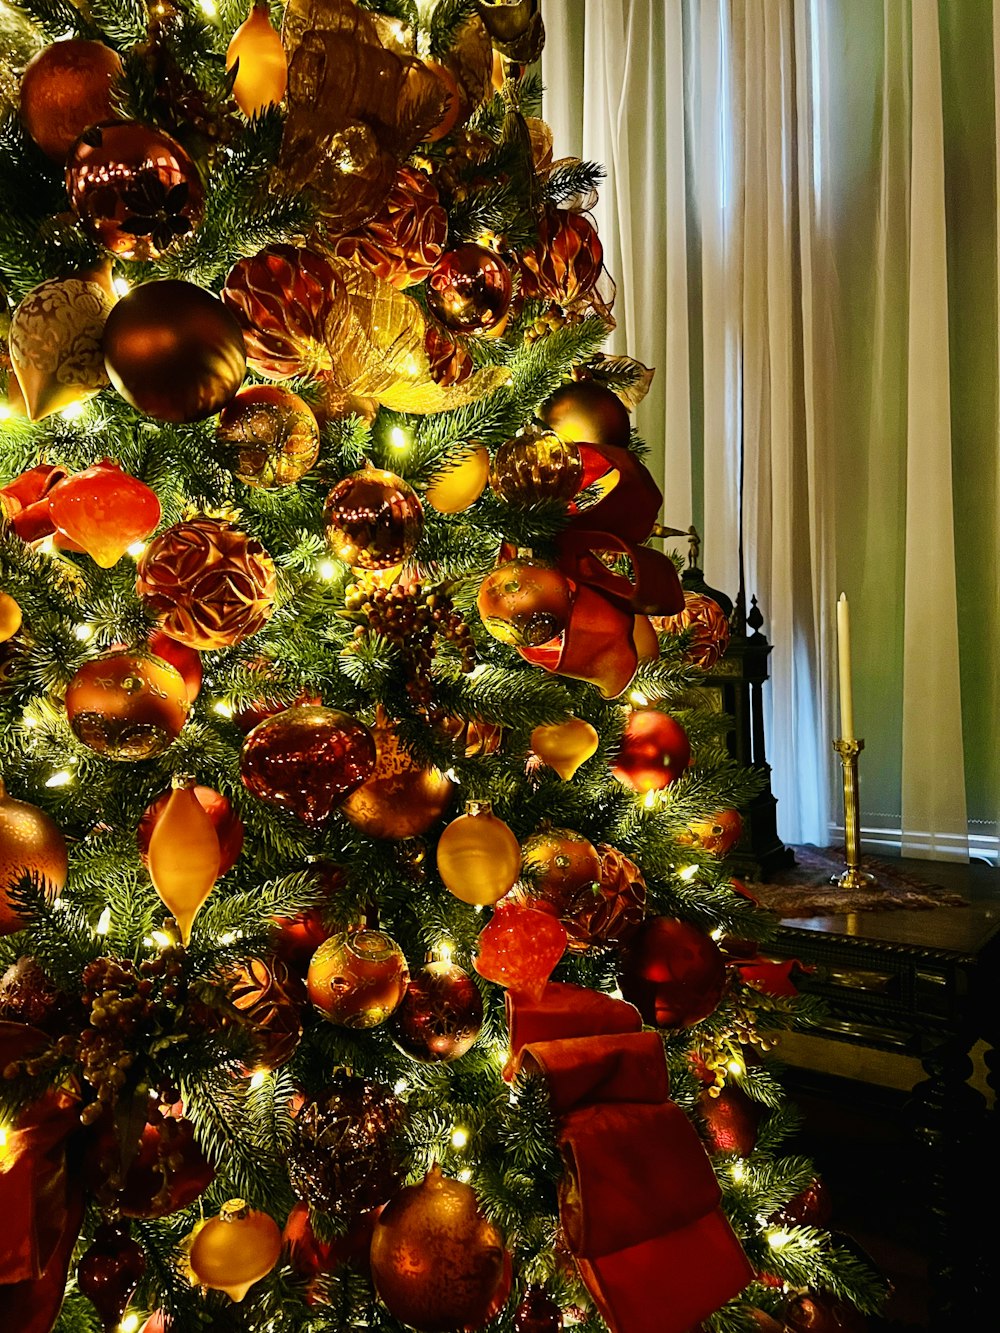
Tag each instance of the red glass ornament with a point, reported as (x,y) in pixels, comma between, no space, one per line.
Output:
(307,759)
(524,603)
(265,999)
(567,259)
(672,972)
(168,1172)
(520,948)
(405,238)
(110,1270)
(309,1256)
(469,289)
(537,1313)
(557,864)
(184,659)
(811,1207)
(441,1014)
(610,911)
(654,751)
(227,823)
(103,511)
(374,519)
(820,1312)
(281,298)
(449,362)
(729,1121)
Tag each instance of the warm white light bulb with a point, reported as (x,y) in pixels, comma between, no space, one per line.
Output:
(638,698)
(121,286)
(104,922)
(136,549)
(459,1137)
(258,1078)
(83,632)
(398,438)
(326,569)
(222,708)
(73,412)
(61,779)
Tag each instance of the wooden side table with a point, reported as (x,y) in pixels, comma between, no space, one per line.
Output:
(927,984)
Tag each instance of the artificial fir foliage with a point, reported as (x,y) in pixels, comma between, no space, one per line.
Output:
(354,719)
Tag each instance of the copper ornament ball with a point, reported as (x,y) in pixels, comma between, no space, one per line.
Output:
(268,436)
(30,843)
(589,413)
(673,972)
(174,351)
(357,980)
(441,1014)
(469,289)
(125,707)
(65,88)
(374,519)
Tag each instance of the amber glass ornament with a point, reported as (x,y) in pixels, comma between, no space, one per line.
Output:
(11,618)
(186,660)
(673,972)
(520,948)
(729,1119)
(174,351)
(134,188)
(126,707)
(281,299)
(402,798)
(184,856)
(226,822)
(537,1313)
(469,289)
(460,484)
(65,88)
(822,1312)
(262,77)
(347,1151)
(811,1207)
(654,751)
(373,518)
(564,746)
(524,603)
(110,1270)
(708,626)
(357,980)
(718,834)
(566,261)
(103,511)
(441,1014)
(265,999)
(209,584)
(448,362)
(437,1263)
(405,238)
(587,412)
(55,341)
(269,436)
(534,466)
(307,759)
(478,856)
(30,844)
(234,1250)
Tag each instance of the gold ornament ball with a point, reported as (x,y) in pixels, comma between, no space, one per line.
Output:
(401,799)
(126,707)
(357,980)
(236,1249)
(374,519)
(30,844)
(269,436)
(460,484)
(536,466)
(478,856)
(65,88)
(588,413)
(10,617)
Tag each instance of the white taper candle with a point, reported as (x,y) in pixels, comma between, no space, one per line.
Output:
(846,692)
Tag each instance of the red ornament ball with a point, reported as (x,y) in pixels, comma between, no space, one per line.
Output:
(566,261)
(673,973)
(729,1120)
(654,751)
(265,999)
(110,1270)
(64,89)
(374,519)
(307,759)
(469,289)
(821,1312)
(441,1014)
(281,298)
(126,707)
(538,1313)
(227,823)
(167,1172)
(811,1207)
(718,835)
(186,660)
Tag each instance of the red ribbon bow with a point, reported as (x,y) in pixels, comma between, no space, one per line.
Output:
(25,504)
(597,643)
(639,1202)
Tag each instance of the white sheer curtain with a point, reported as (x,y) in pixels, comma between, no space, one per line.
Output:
(801,215)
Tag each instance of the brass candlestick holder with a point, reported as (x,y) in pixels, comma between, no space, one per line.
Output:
(853,877)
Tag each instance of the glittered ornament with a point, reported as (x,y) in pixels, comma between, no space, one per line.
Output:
(536,466)
(281,299)
(262,76)
(405,238)
(566,261)
(268,436)
(65,88)
(437,1264)
(173,351)
(184,856)
(373,519)
(524,603)
(134,188)
(654,751)
(537,1313)
(127,707)
(27,994)
(186,660)
(11,618)
(225,821)
(587,412)
(478,856)
(719,834)
(235,1249)
(264,999)
(103,510)
(347,1152)
(402,798)
(520,948)
(469,289)
(110,1270)
(208,584)
(440,1016)
(673,973)
(460,484)
(307,759)
(729,1120)
(55,341)
(707,626)
(30,844)
(357,980)
(564,746)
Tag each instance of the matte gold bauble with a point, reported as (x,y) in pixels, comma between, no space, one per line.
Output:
(10,617)
(459,485)
(262,76)
(64,88)
(269,436)
(236,1249)
(564,746)
(478,856)
(126,707)
(589,413)
(536,466)
(30,844)
(401,798)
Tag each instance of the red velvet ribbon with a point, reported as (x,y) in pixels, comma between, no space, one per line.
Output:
(25,503)
(639,1202)
(597,643)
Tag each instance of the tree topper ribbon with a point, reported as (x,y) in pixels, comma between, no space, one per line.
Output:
(639,1202)
(597,643)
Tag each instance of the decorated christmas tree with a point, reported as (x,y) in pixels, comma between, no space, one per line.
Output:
(371,956)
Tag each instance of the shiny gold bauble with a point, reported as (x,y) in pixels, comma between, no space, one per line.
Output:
(564,746)
(437,1264)
(587,412)
(357,980)
(30,844)
(126,707)
(469,289)
(373,519)
(262,77)
(269,436)
(174,351)
(478,856)
(10,617)
(524,603)
(234,1250)
(65,88)
(556,864)
(536,466)
(460,484)
(401,798)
